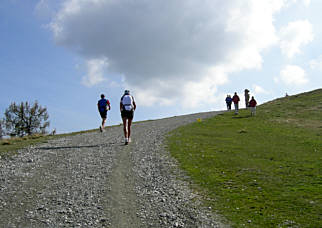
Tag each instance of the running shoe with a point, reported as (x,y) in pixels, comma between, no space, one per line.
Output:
(101,129)
(126,141)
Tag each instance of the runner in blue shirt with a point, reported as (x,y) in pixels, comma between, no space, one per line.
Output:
(103,106)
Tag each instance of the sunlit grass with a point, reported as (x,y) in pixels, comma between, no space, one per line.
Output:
(262,171)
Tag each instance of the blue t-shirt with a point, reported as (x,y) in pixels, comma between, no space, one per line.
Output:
(229,100)
(102,104)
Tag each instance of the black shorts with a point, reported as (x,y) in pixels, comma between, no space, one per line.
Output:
(127,114)
(103,114)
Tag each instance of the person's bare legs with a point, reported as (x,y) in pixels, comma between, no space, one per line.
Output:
(124,126)
(103,122)
(129,122)
(102,125)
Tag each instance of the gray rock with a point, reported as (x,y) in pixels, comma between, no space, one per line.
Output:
(93,180)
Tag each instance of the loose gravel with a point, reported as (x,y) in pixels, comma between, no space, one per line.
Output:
(93,180)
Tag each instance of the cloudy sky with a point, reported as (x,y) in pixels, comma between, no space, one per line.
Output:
(176,57)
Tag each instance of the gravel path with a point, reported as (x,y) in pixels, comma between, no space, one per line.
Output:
(93,180)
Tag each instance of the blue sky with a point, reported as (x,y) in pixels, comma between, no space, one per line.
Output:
(176,57)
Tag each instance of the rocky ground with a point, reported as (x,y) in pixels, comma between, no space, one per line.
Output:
(93,180)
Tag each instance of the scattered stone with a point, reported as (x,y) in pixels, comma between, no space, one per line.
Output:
(103,220)
(65,181)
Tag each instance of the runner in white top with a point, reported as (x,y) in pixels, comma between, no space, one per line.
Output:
(127,108)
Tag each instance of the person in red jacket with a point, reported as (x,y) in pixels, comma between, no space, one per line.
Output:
(236,100)
(252,105)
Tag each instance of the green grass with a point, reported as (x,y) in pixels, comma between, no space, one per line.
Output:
(263,171)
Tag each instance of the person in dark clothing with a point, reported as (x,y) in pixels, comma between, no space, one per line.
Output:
(228,102)
(103,106)
(246,98)
(252,105)
(236,100)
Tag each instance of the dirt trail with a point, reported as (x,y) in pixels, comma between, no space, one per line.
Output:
(93,180)
(122,208)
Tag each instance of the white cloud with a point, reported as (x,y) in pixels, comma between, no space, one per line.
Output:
(259,90)
(42,4)
(294,36)
(204,90)
(316,63)
(95,71)
(165,49)
(46,9)
(187,94)
(293,75)
(307,2)
(276,80)
(43,9)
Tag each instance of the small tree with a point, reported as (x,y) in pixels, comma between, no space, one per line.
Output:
(26,119)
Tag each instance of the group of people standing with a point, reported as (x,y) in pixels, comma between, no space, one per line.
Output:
(251,104)
(127,108)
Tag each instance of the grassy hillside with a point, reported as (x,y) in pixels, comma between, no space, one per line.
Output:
(262,171)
